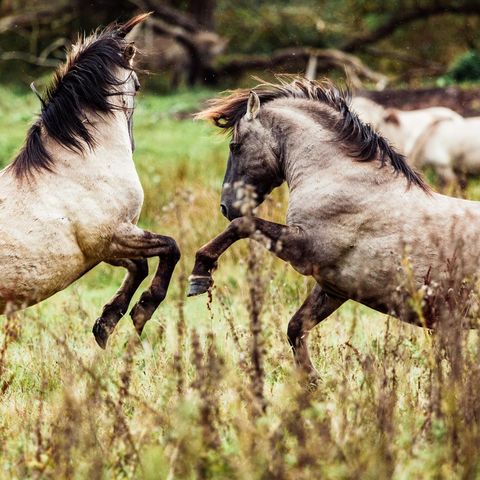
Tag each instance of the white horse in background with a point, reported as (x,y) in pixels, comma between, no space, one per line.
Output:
(72,197)
(451,148)
(401,128)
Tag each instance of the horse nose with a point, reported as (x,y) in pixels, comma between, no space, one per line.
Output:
(224,210)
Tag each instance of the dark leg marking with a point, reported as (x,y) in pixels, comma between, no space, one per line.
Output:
(317,306)
(116,308)
(136,245)
(134,242)
(151,298)
(286,242)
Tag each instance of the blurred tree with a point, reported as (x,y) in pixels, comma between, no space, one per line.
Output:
(465,68)
(204,12)
(414,40)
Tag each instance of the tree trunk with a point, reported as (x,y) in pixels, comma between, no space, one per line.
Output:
(204,12)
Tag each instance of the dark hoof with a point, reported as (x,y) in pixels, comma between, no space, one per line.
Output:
(313,381)
(101,334)
(198,285)
(309,378)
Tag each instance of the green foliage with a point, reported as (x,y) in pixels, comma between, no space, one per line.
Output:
(466,68)
(263,26)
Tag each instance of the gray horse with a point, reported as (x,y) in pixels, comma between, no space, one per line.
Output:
(359,218)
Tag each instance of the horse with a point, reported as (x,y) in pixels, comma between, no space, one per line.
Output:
(359,217)
(402,128)
(451,148)
(72,197)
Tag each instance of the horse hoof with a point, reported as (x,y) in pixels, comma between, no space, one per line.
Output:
(313,380)
(100,333)
(198,285)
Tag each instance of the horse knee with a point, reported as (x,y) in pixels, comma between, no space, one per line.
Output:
(173,250)
(176,254)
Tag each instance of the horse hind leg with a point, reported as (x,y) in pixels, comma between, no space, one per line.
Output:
(317,307)
(115,309)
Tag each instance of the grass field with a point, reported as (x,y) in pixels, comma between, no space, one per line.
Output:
(186,401)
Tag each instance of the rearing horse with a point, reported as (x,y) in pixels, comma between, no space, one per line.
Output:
(356,210)
(72,197)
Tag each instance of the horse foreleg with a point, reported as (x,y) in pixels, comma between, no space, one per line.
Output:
(132,242)
(116,308)
(143,310)
(288,243)
(317,307)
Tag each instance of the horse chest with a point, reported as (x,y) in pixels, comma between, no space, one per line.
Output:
(113,198)
(101,204)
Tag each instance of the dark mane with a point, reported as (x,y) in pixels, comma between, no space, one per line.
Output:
(84,82)
(358,139)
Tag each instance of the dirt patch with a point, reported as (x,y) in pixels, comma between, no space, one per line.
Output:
(464,101)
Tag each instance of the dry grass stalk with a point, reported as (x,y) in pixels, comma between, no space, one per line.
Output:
(256,295)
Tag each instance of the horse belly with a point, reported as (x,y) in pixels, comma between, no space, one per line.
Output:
(37,264)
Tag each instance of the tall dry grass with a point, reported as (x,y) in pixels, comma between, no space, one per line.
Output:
(210,391)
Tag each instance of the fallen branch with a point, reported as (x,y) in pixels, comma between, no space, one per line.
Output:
(354,67)
(405,58)
(41,60)
(29,58)
(35,17)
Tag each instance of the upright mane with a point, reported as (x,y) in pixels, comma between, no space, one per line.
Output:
(358,139)
(84,82)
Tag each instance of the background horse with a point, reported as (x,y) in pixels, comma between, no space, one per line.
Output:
(451,148)
(72,197)
(359,218)
(402,128)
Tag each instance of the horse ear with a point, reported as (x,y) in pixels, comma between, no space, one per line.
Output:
(253,106)
(129,51)
(127,27)
(391,116)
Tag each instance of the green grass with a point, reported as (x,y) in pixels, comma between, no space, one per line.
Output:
(182,402)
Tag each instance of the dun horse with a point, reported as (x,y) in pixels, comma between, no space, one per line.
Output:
(72,197)
(356,210)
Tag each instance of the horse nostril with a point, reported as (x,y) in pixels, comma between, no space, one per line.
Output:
(223,209)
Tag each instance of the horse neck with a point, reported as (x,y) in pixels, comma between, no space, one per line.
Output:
(304,142)
(310,156)
(320,175)
(111,153)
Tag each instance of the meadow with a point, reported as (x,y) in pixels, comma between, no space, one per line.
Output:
(210,390)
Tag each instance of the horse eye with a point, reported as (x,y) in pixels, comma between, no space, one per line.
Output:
(234,147)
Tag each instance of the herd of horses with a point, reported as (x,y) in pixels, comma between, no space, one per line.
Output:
(435,137)
(71,199)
